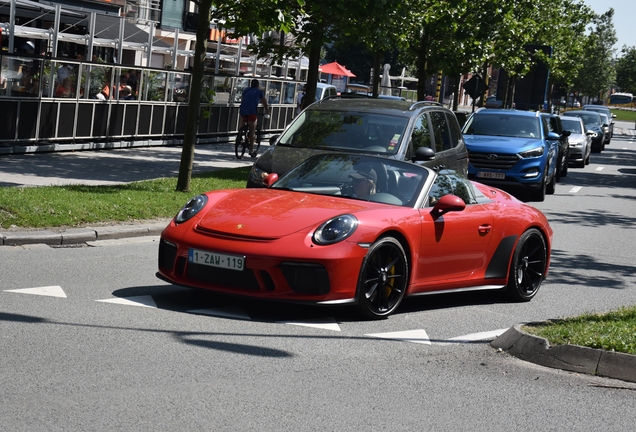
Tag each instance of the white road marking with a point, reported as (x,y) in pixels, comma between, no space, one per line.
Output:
(51,291)
(473,337)
(416,336)
(321,323)
(575,189)
(600,168)
(143,301)
(223,312)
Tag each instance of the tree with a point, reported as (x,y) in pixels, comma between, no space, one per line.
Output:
(246,17)
(626,70)
(598,73)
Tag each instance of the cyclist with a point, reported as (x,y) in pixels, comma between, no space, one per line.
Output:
(249,110)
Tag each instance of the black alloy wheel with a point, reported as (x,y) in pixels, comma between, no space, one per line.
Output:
(528,266)
(383,279)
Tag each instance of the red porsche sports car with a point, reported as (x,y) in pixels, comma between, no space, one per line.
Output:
(349,228)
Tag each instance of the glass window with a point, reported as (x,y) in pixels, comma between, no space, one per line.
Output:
(421,133)
(179,85)
(450,183)
(273,92)
(155,85)
(20,77)
(289,90)
(441,131)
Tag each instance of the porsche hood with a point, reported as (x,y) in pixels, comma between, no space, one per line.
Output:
(272,213)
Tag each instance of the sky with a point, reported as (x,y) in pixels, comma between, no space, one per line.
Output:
(624,19)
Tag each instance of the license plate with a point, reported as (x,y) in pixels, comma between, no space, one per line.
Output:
(492,175)
(213,259)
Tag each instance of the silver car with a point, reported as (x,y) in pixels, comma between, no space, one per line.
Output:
(580,141)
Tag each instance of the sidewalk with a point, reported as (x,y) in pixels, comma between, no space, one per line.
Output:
(102,167)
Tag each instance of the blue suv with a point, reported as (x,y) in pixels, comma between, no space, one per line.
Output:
(512,149)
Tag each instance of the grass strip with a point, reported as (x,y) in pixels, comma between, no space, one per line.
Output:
(79,205)
(615,330)
(624,115)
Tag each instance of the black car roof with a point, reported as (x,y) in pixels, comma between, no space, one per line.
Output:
(371,104)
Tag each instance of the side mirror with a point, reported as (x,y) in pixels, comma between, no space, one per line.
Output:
(273,139)
(424,154)
(553,136)
(270,179)
(613,115)
(446,204)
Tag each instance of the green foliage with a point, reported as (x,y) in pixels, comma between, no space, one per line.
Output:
(626,70)
(598,74)
(610,331)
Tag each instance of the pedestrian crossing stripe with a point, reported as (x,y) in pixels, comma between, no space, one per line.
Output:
(415,336)
(51,291)
(320,323)
(143,301)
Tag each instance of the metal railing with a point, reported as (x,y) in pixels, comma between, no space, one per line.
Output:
(45,100)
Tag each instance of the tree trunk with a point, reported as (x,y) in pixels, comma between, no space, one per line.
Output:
(312,75)
(192,119)
(422,72)
(376,74)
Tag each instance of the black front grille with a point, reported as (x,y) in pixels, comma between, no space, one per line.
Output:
(167,254)
(306,278)
(493,160)
(223,277)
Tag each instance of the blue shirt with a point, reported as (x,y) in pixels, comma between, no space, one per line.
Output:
(250,100)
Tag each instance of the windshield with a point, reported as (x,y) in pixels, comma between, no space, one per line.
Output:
(588,119)
(572,125)
(504,125)
(346,130)
(357,177)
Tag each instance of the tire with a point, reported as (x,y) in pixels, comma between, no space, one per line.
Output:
(539,194)
(559,168)
(257,142)
(527,268)
(551,187)
(383,279)
(241,143)
(587,161)
(564,170)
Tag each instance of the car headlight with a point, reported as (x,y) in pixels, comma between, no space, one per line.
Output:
(535,152)
(192,207)
(257,175)
(335,230)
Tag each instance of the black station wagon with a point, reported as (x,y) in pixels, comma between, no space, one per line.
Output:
(421,132)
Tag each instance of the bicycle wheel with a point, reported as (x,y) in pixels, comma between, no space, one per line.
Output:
(257,142)
(242,141)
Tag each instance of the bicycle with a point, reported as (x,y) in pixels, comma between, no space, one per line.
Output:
(242,143)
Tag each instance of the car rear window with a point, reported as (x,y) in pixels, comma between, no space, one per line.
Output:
(346,130)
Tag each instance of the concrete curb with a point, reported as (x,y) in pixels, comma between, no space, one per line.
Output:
(572,358)
(71,236)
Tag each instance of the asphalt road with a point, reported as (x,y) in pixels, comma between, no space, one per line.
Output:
(91,340)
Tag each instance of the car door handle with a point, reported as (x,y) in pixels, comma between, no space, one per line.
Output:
(485,228)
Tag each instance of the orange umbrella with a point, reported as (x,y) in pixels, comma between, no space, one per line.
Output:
(336,68)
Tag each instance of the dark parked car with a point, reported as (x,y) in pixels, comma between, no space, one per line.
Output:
(512,149)
(604,110)
(421,132)
(493,102)
(593,123)
(554,125)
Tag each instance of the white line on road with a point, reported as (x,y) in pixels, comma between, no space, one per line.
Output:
(599,168)
(575,189)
